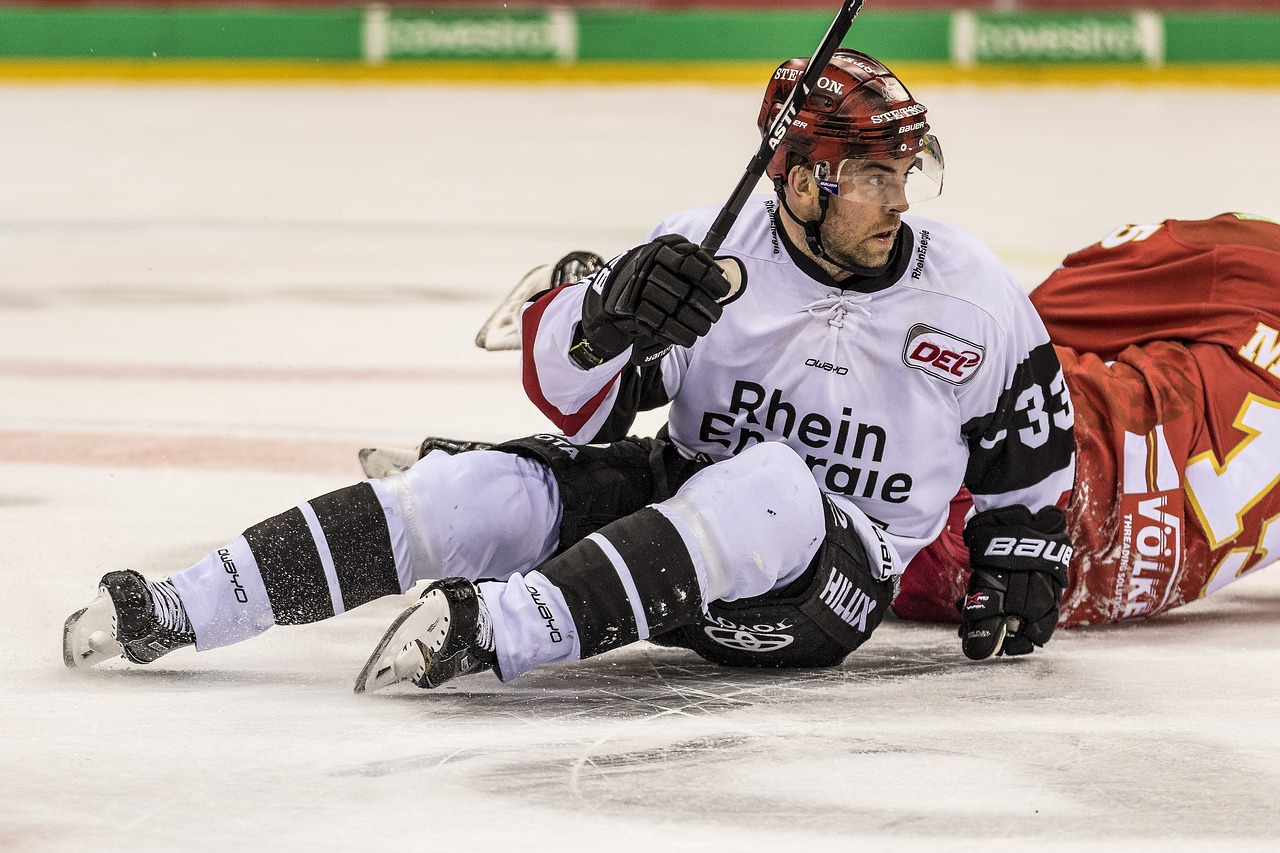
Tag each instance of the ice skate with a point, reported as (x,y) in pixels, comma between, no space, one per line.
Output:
(379,462)
(502,330)
(444,634)
(131,616)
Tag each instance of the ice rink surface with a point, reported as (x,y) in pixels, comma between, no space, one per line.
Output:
(211,296)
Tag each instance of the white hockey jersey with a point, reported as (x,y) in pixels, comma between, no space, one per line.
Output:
(935,375)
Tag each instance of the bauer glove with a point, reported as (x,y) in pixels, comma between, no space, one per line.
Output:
(1018,564)
(661,294)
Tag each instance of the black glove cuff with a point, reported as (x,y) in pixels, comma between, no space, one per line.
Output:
(604,334)
(583,353)
(1012,539)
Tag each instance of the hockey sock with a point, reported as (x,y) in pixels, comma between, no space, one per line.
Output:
(629,580)
(318,559)
(325,556)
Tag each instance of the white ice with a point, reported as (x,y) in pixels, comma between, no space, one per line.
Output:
(212,296)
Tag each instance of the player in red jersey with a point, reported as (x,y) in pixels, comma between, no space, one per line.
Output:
(1169,338)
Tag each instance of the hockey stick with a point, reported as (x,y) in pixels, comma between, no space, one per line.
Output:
(795,102)
(499,331)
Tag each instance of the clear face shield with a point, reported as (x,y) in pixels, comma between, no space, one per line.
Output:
(886,182)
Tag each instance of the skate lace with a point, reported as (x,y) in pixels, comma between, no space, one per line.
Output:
(169,610)
(836,307)
(484,627)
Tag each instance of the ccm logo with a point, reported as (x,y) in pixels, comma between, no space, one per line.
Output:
(939,354)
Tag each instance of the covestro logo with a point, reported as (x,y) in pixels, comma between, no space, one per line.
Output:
(941,354)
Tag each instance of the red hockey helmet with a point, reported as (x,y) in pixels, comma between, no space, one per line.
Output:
(857,111)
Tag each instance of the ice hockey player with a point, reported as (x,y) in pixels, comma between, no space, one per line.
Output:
(1169,336)
(832,382)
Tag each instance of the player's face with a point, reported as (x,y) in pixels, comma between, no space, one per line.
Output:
(863,218)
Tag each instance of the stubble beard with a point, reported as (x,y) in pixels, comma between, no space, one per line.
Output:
(867,252)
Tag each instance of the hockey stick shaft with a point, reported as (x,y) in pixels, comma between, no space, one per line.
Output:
(781,124)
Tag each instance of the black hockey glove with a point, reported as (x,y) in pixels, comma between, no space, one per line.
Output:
(1018,564)
(657,295)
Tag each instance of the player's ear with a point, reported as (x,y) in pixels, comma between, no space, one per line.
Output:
(803,188)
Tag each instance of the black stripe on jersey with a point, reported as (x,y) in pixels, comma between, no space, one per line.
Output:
(661,568)
(359,542)
(1029,436)
(595,597)
(290,567)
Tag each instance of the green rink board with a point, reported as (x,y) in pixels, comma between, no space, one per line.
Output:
(389,34)
(1222,38)
(181,33)
(710,35)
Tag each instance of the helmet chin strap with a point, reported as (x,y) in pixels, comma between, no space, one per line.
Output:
(813,229)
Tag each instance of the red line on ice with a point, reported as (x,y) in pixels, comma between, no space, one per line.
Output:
(252,373)
(152,450)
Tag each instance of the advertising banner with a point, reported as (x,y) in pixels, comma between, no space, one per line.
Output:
(409,33)
(979,37)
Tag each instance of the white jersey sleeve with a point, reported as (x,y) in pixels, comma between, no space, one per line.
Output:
(593,405)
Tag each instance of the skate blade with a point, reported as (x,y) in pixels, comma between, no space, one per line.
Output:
(403,652)
(502,330)
(379,462)
(89,635)
(407,664)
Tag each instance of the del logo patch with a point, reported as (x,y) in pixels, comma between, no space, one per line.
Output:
(940,354)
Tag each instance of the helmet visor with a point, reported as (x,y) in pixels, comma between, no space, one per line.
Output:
(883,181)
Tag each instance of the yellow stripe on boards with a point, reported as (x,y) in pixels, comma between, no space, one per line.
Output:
(615,73)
